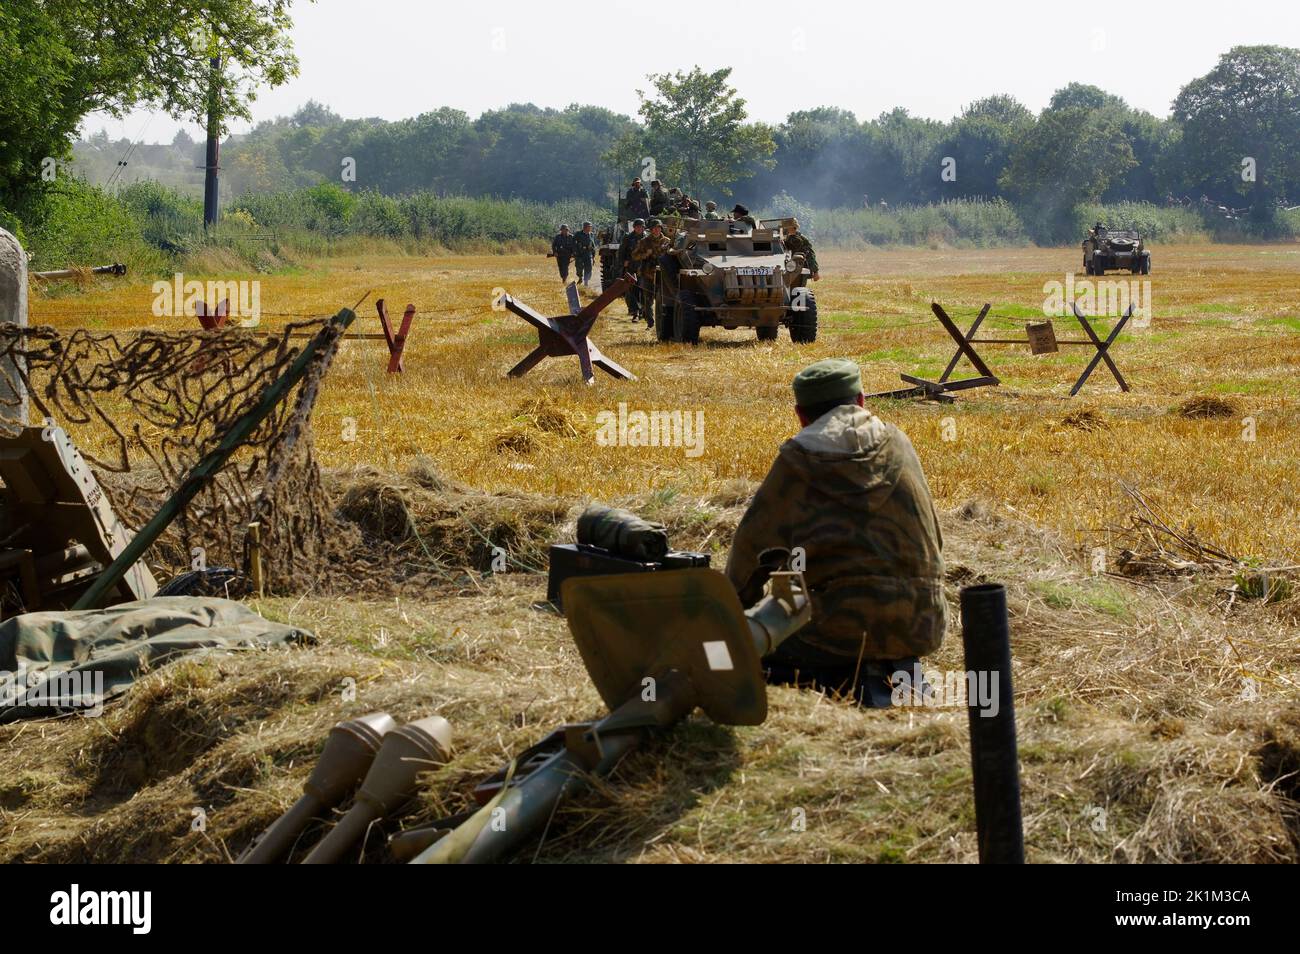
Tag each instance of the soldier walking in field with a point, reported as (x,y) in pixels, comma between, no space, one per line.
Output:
(633,297)
(848,490)
(562,249)
(646,257)
(797,243)
(584,253)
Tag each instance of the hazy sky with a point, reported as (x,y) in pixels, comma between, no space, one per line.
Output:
(399,58)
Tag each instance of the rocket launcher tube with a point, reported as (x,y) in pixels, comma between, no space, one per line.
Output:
(390,782)
(349,751)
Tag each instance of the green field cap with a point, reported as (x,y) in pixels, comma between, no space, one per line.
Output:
(832,379)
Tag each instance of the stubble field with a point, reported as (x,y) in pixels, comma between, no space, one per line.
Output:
(1166,703)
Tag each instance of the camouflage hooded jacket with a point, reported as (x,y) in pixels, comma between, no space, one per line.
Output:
(849,490)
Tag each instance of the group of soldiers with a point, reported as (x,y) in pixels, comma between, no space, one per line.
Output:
(659,201)
(645,248)
(579,249)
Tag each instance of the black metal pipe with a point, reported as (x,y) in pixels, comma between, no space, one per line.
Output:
(995,767)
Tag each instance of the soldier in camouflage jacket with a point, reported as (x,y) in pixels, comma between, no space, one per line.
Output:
(849,491)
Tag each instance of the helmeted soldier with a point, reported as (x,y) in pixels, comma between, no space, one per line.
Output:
(797,243)
(711,212)
(584,253)
(849,492)
(633,297)
(646,257)
(563,247)
(636,206)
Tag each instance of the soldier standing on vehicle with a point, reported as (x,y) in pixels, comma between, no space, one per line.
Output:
(797,243)
(658,197)
(624,260)
(741,214)
(584,253)
(635,207)
(848,490)
(646,255)
(711,212)
(563,247)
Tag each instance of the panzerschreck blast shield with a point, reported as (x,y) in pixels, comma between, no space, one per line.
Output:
(656,645)
(349,752)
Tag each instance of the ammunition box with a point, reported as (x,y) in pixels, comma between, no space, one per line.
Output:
(580,559)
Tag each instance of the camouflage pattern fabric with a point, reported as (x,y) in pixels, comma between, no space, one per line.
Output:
(658,201)
(849,490)
(798,244)
(622,532)
(748,220)
(60,661)
(647,252)
(713,215)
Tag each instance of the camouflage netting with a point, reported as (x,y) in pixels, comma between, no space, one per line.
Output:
(144,407)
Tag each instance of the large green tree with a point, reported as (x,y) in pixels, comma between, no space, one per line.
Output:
(63,59)
(1246,108)
(695,132)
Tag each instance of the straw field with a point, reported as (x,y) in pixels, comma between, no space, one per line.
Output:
(1156,691)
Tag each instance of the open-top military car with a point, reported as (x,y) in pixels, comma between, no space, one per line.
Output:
(1110,249)
(724,273)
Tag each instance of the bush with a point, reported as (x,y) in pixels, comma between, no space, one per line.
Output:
(378,215)
(962,222)
(1157,223)
(72,223)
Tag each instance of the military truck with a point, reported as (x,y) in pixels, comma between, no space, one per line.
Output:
(1122,248)
(725,274)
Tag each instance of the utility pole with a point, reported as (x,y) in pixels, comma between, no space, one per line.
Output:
(212,165)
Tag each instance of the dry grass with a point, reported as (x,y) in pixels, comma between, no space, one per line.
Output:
(1165,706)
(1129,700)
(1226,325)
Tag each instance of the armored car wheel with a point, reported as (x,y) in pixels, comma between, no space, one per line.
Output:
(686,320)
(803,323)
(764,333)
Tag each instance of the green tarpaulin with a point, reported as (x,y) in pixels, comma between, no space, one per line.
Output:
(74,661)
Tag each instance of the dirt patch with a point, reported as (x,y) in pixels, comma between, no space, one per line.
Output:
(1206,406)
